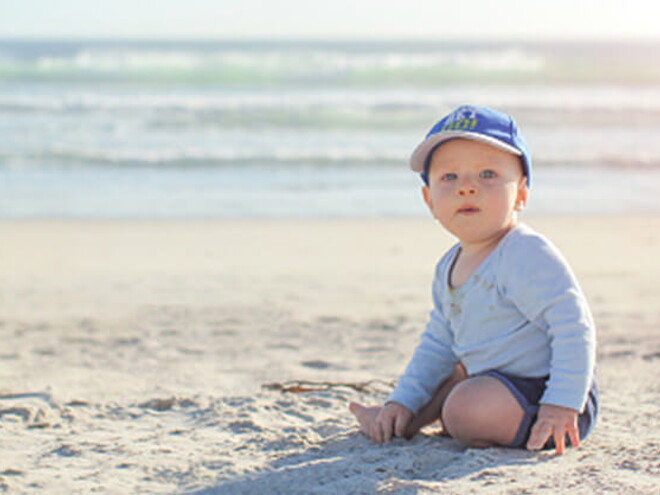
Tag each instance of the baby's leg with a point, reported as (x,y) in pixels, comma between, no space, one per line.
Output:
(427,415)
(432,411)
(482,412)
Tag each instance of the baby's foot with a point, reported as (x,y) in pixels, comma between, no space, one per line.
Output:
(365,415)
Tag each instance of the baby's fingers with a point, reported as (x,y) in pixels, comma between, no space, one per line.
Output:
(574,436)
(377,432)
(384,427)
(387,432)
(560,442)
(400,425)
(540,434)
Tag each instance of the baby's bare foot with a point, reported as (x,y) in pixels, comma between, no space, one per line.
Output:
(365,415)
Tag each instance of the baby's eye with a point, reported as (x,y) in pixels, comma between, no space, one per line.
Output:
(449,176)
(487,174)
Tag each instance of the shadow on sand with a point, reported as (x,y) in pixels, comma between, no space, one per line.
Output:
(350,463)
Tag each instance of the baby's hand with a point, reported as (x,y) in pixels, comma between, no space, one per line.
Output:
(380,422)
(392,420)
(554,421)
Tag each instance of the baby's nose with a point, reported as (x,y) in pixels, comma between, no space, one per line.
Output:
(467,190)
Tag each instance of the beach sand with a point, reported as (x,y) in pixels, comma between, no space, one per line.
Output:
(134,357)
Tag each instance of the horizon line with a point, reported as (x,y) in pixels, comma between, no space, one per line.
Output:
(330,39)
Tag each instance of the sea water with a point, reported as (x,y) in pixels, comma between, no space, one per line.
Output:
(303,129)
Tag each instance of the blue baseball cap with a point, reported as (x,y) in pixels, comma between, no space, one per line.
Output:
(480,124)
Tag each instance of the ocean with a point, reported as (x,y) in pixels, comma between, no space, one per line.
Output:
(311,129)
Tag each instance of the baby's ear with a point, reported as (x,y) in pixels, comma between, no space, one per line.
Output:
(426,194)
(523,193)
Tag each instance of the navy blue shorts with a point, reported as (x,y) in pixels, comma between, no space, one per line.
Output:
(528,392)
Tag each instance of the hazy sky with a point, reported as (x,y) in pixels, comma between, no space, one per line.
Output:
(530,19)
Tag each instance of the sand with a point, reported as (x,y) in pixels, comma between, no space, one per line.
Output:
(134,355)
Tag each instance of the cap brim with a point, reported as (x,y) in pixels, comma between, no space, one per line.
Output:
(418,157)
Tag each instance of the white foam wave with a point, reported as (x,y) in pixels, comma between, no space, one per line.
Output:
(539,98)
(196,157)
(328,157)
(300,60)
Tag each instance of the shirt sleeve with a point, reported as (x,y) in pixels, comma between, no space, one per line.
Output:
(541,284)
(432,362)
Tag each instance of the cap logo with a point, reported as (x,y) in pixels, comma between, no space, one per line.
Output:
(461,120)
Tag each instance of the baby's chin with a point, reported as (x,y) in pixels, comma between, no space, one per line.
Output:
(475,232)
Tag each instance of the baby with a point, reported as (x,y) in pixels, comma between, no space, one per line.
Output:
(508,355)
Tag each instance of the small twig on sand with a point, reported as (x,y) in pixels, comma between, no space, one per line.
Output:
(298,386)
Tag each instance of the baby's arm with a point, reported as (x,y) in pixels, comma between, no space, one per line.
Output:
(433,360)
(556,422)
(548,294)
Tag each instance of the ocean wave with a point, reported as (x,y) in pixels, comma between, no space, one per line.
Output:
(303,61)
(198,159)
(592,106)
(347,64)
(249,110)
(300,64)
(330,158)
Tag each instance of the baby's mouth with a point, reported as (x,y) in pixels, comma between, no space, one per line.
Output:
(468,210)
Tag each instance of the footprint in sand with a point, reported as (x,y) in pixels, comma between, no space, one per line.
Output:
(318,364)
(245,427)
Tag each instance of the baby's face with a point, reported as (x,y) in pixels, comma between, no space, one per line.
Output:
(475,189)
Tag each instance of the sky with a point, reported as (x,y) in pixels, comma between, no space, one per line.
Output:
(331,19)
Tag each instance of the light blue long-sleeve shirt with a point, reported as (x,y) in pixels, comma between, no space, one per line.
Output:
(521,312)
